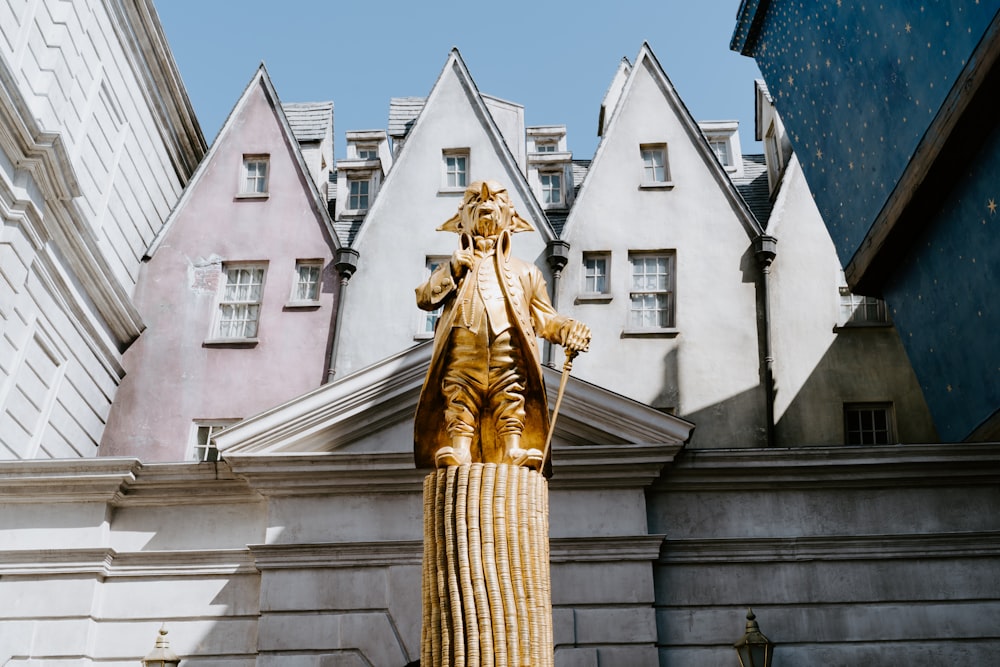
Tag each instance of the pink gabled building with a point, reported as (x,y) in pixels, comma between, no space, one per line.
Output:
(238,287)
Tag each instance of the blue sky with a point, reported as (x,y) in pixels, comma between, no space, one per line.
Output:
(554,57)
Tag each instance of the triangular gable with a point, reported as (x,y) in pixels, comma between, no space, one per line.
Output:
(385,394)
(456,66)
(646,62)
(260,78)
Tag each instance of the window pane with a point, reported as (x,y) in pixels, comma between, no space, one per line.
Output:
(651,293)
(307,283)
(255,180)
(551,188)
(653,165)
(239,306)
(867,425)
(455,171)
(595,271)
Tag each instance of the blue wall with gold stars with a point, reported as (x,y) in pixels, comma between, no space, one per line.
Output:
(858,84)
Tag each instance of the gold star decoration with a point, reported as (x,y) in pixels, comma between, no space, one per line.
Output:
(791,80)
(992,205)
(819,154)
(907,27)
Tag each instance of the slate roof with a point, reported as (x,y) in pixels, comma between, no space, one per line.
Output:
(753,187)
(402,112)
(309,120)
(580,169)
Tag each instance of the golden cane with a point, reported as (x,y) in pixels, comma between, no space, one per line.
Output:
(567,367)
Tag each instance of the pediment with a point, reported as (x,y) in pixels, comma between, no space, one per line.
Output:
(373,409)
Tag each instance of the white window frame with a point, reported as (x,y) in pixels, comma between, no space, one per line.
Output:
(546,145)
(867,430)
(367,152)
(862,311)
(224,300)
(638,322)
(647,162)
(258,187)
(428,319)
(588,289)
(725,156)
(552,197)
(454,179)
(206,451)
(355,199)
(310,267)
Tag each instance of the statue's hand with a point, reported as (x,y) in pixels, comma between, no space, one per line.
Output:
(576,337)
(461,261)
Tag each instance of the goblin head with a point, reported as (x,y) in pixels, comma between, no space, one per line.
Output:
(486,210)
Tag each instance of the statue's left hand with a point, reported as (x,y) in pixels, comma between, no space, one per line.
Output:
(576,338)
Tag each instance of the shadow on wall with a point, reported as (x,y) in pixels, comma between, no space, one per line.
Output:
(863,365)
(737,421)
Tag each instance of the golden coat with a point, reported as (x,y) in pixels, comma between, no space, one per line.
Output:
(531,315)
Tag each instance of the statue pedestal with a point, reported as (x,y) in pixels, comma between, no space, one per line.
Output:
(487,598)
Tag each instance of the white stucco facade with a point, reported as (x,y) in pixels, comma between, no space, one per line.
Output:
(99,141)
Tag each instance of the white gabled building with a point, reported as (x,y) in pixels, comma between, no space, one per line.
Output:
(458,136)
(99,138)
(661,267)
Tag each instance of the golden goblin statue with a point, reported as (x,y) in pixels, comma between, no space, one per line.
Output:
(483,399)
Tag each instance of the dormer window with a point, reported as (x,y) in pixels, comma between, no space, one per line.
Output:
(367,152)
(552,188)
(724,141)
(720,146)
(358,192)
(545,146)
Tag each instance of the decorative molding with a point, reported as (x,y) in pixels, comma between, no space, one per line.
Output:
(66,480)
(738,470)
(329,473)
(386,393)
(190,483)
(337,554)
(105,562)
(609,466)
(980,544)
(642,548)
(151,61)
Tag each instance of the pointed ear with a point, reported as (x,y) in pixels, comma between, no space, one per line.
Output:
(452,224)
(519,224)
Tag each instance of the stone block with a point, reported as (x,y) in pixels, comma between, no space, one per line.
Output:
(597,512)
(602,583)
(187,597)
(576,657)
(629,656)
(563,626)
(369,634)
(406,604)
(375,517)
(324,589)
(616,625)
(29,597)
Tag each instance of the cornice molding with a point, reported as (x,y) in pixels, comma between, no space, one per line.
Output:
(105,562)
(337,554)
(386,393)
(738,470)
(980,544)
(632,548)
(66,480)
